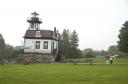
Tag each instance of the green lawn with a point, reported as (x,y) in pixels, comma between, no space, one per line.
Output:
(65,73)
(103,60)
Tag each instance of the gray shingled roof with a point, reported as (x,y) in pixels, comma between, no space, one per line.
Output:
(45,34)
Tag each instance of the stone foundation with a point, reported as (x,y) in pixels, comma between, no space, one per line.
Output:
(35,58)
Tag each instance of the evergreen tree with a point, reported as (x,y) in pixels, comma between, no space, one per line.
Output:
(66,43)
(74,40)
(66,38)
(123,38)
(60,48)
(76,53)
(2,49)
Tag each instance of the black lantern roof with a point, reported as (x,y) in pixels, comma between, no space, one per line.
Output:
(34,19)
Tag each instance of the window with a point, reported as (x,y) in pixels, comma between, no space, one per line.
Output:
(45,45)
(38,34)
(37,44)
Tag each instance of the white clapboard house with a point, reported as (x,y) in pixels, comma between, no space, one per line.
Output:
(37,40)
(39,44)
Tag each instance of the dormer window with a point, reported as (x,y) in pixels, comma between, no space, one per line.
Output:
(38,34)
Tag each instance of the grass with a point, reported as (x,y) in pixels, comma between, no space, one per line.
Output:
(103,60)
(65,73)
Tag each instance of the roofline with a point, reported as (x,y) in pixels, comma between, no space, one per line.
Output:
(40,30)
(41,38)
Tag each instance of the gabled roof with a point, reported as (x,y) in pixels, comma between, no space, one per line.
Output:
(45,34)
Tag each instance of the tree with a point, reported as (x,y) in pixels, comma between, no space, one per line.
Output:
(98,53)
(68,44)
(123,38)
(74,39)
(12,52)
(2,49)
(113,49)
(88,53)
(66,38)
(9,51)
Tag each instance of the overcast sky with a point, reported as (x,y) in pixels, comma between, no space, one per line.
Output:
(97,22)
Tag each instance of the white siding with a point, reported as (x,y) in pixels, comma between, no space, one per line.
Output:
(55,44)
(29,45)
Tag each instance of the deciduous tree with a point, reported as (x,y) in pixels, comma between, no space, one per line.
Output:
(123,38)
(88,52)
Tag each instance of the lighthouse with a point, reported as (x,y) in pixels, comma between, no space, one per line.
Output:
(39,45)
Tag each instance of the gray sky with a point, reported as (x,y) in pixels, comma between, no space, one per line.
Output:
(96,21)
